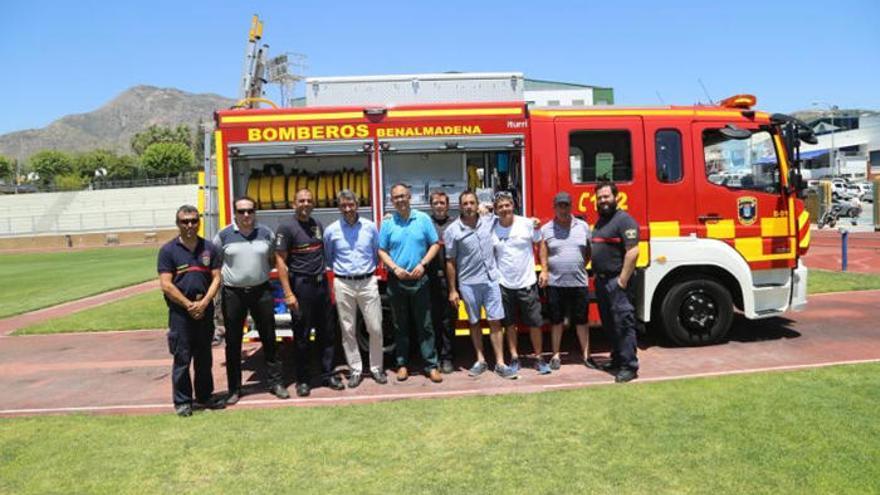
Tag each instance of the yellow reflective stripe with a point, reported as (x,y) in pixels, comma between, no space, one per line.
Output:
(803,218)
(289,117)
(642,260)
(752,249)
(805,242)
(464,332)
(774,227)
(201,202)
(665,229)
(452,112)
(222,163)
(721,229)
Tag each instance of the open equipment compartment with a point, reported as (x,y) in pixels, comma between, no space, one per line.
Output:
(484,164)
(272,173)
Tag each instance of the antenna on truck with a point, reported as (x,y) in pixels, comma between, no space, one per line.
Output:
(706,91)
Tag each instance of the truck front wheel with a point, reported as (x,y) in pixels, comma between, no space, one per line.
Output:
(696,312)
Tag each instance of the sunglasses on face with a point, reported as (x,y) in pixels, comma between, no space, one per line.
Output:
(188,221)
(245,211)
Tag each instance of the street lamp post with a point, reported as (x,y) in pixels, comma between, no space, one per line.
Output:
(832,157)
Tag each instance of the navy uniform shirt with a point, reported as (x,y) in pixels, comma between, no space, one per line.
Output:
(303,245)
(190,270)
(437,266)
(612,237)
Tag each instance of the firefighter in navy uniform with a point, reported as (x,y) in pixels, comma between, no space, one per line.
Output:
(299,258)
(189,276)
(615,241)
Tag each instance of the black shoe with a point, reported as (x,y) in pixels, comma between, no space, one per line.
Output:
(379,376)
(279,391)
(626,375)
(233,398)
(355,379)
(446,366)
(183,410)
(593,365)
(334,382)
(303,389)
(212,403)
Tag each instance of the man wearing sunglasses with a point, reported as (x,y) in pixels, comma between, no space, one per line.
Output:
(248,256)
(189,275)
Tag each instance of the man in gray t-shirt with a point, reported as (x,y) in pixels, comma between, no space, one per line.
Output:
(564,252)
(247,251)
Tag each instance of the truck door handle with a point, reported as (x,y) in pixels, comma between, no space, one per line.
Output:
(711,217)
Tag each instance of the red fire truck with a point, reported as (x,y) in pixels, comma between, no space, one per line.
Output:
(714,188)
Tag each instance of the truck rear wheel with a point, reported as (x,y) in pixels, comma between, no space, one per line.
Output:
(697,312)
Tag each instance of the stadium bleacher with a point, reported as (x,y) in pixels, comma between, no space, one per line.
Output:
(108,210)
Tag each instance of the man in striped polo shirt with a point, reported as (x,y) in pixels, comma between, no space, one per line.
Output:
(564,252)
(247,251)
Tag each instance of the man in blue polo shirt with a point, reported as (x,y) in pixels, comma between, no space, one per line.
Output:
(189,275)
(350,246)
(407,243)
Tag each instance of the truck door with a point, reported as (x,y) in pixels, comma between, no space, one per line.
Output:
(739,193)
(590,150)
(670,178)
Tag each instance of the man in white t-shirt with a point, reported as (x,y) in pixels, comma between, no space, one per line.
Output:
(514,238)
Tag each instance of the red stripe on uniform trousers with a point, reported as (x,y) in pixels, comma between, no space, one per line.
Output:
(607,240)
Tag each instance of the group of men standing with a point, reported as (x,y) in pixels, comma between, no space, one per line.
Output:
(485,261)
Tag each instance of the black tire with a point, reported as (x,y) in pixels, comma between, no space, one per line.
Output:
(696,312)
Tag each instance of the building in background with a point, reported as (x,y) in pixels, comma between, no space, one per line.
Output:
(852,150)
(450,87)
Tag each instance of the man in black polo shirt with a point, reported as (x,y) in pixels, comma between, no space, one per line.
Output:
(443,316)
(615,243)
(299,258)
(248,255)
(189,275)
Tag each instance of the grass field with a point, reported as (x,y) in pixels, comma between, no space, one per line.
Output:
(813,431)
(819,281)
(37,280)
(132,313)
(149,310)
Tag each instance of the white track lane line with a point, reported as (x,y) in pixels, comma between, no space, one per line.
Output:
(425,395)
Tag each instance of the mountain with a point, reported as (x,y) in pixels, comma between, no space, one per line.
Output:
(112,125)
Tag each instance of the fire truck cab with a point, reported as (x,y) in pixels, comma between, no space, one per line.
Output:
(713,188)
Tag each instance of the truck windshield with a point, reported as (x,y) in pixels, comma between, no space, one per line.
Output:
(742,163)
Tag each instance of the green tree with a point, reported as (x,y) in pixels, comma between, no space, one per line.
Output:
(167,159)
(50,163)
(160,134)
(86,164)
(125,167)
(70,182)
(7,167)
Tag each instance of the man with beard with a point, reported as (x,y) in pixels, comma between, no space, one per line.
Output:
(299,258)
(443,315)
(565,250)
(615,242)
(470,262)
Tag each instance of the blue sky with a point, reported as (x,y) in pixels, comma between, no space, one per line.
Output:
(70,57)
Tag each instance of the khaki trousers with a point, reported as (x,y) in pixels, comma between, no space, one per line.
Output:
(364,294)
